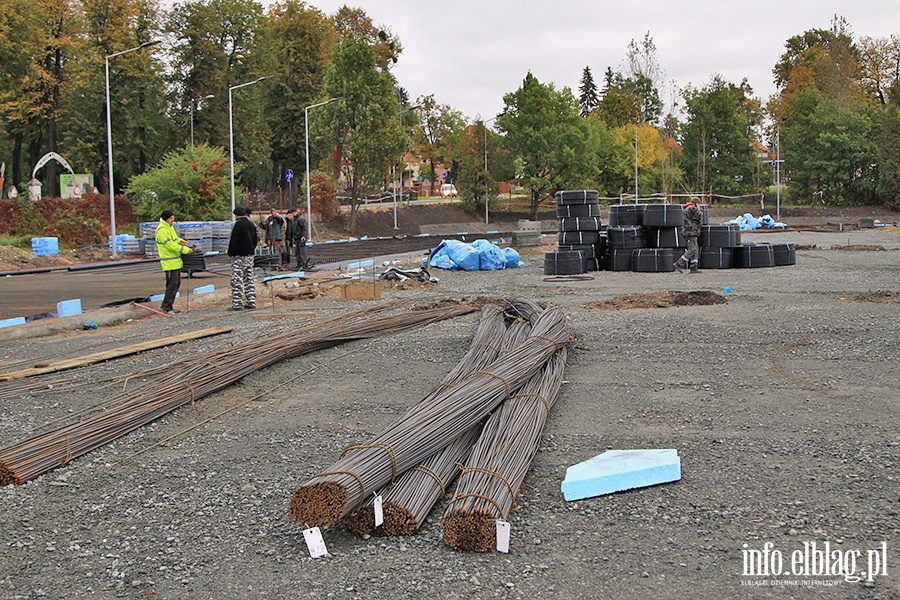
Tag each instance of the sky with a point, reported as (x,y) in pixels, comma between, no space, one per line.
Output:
(469,53)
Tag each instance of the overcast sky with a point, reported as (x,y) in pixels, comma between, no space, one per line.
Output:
(469,53)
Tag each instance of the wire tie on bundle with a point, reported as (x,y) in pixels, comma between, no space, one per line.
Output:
(359,480)
(384,447)
(434,476)
(539,397)
(512,494)
(459,497)
(495,376)
(546,339)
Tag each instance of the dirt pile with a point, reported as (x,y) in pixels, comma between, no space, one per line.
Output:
(661,299)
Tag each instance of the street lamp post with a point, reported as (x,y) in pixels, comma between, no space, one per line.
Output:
(778,173)
(231,133)
(487,189)
(393,181)
(109,159)
(308,196)
(194,102)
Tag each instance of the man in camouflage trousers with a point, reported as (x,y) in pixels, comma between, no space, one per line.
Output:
(241,248)
(692,220)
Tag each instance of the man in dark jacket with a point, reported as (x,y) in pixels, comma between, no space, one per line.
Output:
(241,247)
(692,220)
(274,228)
(300,231)
(289,218)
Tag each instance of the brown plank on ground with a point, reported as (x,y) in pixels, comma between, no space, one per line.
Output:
(114,353)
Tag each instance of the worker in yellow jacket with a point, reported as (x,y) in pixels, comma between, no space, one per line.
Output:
(170,247)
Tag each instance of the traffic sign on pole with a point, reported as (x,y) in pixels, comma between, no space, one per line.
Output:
(289,175)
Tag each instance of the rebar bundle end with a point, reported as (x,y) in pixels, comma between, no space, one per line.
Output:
(469,531)
(319,504)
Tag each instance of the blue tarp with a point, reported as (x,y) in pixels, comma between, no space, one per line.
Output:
(480,255)
(749,223)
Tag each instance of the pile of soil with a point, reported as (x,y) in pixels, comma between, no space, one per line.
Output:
(879,297)
(661,299)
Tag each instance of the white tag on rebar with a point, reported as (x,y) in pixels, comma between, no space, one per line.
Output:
(379,513)
(503,537)
(314,542)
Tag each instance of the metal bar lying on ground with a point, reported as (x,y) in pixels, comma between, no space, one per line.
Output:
(195,378)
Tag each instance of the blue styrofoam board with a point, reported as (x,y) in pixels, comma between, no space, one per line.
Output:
(11,322)
(159,297)
(68,308)
(620,470)
(205,289)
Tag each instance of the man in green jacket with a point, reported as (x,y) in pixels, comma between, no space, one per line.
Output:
(170,247)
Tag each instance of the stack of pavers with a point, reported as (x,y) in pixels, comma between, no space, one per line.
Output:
(580,246)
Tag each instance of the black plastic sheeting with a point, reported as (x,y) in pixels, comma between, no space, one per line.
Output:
(579,223)
(626,237)
(754,257)
(720,236)
(716,258)
(564,211)
(663,215)
(652,260)
(564,263)
(626,215)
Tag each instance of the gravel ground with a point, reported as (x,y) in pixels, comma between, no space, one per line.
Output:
(782,404)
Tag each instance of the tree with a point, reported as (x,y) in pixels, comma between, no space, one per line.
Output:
(588,99)
(137,98)
(355,23)
(718,137)
(628,100)
(431,138)
(193,181)
(879,61)
(827,59)
(37,40)
(299,41)
(547,135)
(363,126)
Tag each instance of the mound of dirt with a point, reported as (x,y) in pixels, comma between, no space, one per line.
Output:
(879,297)
(859,248)
(661,299)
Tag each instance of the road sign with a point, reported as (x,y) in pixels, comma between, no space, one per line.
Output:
(289,175)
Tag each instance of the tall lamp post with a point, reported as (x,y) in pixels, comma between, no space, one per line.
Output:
(778,173)
(487,189)
(194,102)
(308,196)
(231,133)
(393,183)
(109,159)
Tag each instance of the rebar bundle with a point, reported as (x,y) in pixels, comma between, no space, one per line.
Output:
(193,379)
(427,427)
(491,480)
(408,501)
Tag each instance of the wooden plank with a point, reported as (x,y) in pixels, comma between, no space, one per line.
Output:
(114,353)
